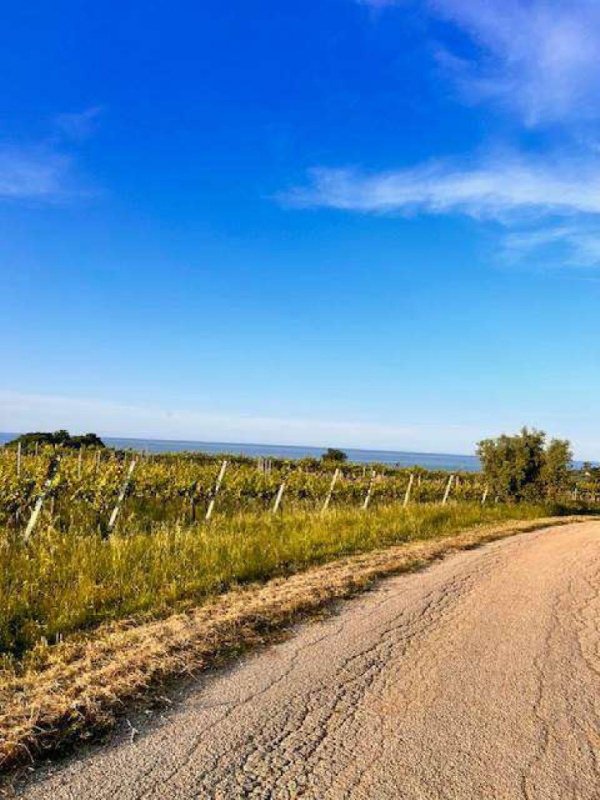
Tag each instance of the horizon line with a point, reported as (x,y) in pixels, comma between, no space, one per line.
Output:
(265,444)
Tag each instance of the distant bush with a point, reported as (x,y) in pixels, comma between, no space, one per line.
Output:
(332,454)
(524,466)
(58,438)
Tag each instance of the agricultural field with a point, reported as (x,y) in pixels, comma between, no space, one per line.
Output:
(97,546)
(93,535)
(84,488)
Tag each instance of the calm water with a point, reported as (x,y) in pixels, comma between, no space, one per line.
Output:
(402,458)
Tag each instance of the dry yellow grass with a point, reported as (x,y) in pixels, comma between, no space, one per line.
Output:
(75,689)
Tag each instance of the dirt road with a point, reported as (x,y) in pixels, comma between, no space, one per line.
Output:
(477,678)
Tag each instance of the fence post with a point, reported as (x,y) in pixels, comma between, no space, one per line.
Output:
(121,497)
(277,502)
(408,488)
(447,492)
(220,477)
(193,489)
(484,496)
(52,470)
(367,500)
(79,462)
(336,475)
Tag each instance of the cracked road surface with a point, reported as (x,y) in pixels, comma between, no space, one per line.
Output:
(476,678)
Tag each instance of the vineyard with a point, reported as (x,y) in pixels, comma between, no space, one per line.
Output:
(82,489)
(97,535)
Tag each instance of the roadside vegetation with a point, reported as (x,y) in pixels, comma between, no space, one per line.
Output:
(90,534)
(120,570)
(62,582)
(58,695)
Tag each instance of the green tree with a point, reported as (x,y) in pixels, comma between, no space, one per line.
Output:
(60,438)
(556,472)
(332,454)
(523,466)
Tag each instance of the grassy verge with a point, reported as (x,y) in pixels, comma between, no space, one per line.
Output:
(61,583)
(54,696)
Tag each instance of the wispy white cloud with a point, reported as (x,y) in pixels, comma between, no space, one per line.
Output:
(22,411)
(498,188)
(78,125)
(538,57)
(546,205)
(46,170)
(571,244)
(34,173)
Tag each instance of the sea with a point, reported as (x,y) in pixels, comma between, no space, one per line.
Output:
(401,458)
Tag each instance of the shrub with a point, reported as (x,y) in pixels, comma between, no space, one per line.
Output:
(60,438)
(524,466)
(334,455)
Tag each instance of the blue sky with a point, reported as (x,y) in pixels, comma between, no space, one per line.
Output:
(333,222)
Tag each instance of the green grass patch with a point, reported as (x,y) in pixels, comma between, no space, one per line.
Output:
(61,583)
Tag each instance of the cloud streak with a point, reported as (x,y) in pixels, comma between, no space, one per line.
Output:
(539,58)
(36,173)
(22,411)
(547,206)
(78,125)
(499,188)
(45,171)
(26,411)
(576,245)
(536,57)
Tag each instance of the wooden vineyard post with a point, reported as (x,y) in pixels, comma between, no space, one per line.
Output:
(447,492)
(19,460)
(484,495)
(125,485)
(408,488)
(369,494)
(52,470)
(336,475)
(193,491)
(278,497)
(220,477)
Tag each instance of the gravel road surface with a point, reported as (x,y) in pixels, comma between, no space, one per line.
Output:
(476,678)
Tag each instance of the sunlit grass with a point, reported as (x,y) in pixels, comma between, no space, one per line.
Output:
(64,582)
